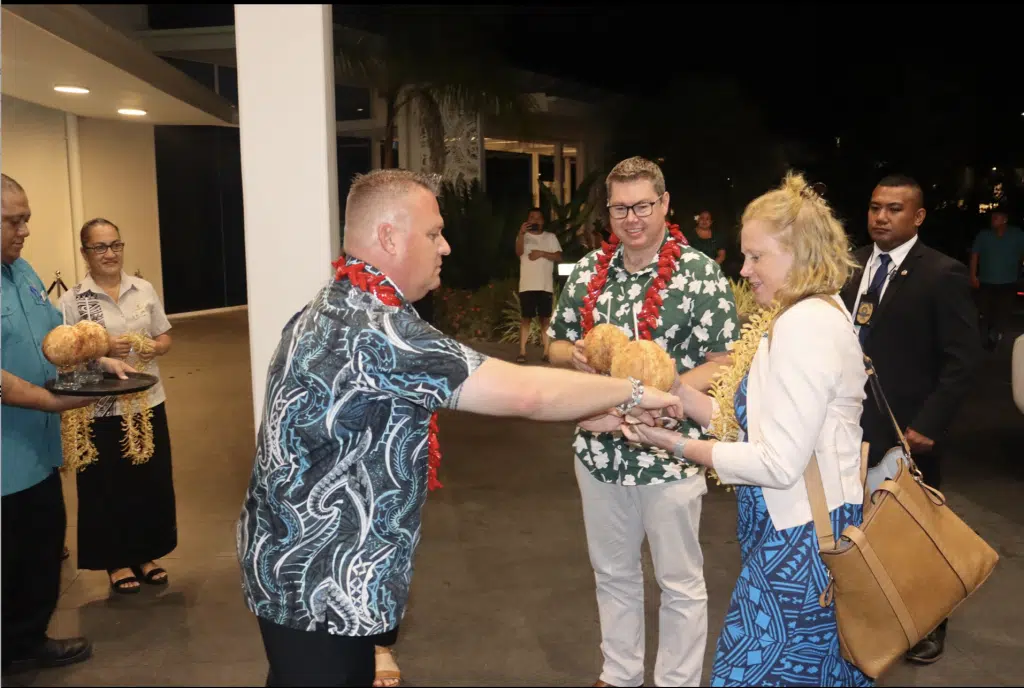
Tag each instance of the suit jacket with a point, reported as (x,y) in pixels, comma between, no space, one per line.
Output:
(924,342)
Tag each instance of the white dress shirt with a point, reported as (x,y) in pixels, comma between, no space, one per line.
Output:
(804,397)
(897,255)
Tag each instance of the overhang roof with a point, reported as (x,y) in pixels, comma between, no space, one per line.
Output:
(44,46)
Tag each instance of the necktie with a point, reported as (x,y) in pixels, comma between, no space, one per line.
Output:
(877,282)
(878,279)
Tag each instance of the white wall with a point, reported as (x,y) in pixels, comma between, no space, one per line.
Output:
(33,151)
(118,182)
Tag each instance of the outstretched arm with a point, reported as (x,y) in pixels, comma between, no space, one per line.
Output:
(498,388)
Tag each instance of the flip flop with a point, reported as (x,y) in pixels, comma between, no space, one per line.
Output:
(520,359)
(151,577)
(121,587)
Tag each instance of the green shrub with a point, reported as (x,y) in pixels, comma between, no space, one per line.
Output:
(511,316)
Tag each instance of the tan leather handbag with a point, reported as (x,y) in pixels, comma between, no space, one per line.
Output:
(909,564)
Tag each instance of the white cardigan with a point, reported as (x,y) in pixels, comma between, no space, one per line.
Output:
(805,396)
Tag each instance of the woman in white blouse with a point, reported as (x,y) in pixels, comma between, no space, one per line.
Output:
(801,393)
(126,512)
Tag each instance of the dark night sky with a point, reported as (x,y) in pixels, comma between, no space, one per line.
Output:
(812,70)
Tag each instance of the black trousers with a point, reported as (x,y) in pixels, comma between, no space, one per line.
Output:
(995,304)
(316,658)
(32,547)
(931,467)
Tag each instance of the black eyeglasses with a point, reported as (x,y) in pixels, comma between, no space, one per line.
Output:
(100,249)
(641,209)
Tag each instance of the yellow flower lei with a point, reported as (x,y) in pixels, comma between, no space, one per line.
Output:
(76,439)
(136,416)
(136,423)
(724,425)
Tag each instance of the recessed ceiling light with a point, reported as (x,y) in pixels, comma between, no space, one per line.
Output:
(70,89)
(359,109)
(131,112)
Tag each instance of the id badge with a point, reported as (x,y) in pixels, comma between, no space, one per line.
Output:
(866,309)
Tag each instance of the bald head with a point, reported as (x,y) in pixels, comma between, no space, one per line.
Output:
(378,198)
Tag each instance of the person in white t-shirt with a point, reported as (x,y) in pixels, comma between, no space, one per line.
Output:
(538,251)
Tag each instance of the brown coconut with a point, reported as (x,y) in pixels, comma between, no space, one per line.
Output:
(94,335)
(64,347)
(647,362)
(601,344)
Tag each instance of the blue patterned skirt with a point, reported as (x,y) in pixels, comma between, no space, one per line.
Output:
(776,633)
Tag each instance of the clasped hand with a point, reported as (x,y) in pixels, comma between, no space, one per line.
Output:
(612,419)
(654,405)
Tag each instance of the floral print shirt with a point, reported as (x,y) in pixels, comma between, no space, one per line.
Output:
(698,316)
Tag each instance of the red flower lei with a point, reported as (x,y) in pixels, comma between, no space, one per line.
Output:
(647,320)
(356,273)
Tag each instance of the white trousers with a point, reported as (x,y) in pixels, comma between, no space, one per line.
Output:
(616,519)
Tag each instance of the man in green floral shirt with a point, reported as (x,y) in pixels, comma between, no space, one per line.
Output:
(629,492)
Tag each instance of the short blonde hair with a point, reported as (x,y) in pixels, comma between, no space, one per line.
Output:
(632,169)
(806,226)
(377,195)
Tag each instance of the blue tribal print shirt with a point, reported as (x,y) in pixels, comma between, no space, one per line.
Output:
(332,515)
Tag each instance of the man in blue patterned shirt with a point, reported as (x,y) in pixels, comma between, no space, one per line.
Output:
(331,518)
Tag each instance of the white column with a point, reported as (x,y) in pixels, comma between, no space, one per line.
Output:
(77,196)
(535,177)
(378,119)
(581,163)
(289,167)
(481,151)
(375,153)
(559,175)
(567,180)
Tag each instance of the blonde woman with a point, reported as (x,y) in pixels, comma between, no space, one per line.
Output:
(775,407)
(126,512)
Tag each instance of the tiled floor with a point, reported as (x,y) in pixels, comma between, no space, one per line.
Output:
(503,593)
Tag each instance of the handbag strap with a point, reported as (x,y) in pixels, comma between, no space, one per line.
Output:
(819,507)
(883,405)
(812,474)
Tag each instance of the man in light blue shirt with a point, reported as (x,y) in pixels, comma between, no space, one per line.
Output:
(33,519)
(996,259)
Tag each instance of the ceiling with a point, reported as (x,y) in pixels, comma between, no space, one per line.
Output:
(36,60)
(527,147)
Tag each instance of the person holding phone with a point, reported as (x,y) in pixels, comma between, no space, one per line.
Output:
(538,251)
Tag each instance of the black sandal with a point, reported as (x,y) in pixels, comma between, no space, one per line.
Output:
(151,577)
(123,585)
(520,359)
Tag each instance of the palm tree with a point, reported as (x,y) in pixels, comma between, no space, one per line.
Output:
(436,65)
(573,217)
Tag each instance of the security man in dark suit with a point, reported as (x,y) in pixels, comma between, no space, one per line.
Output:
(918,324)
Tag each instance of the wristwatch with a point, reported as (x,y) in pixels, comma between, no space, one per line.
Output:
(634,401)
(677,450)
